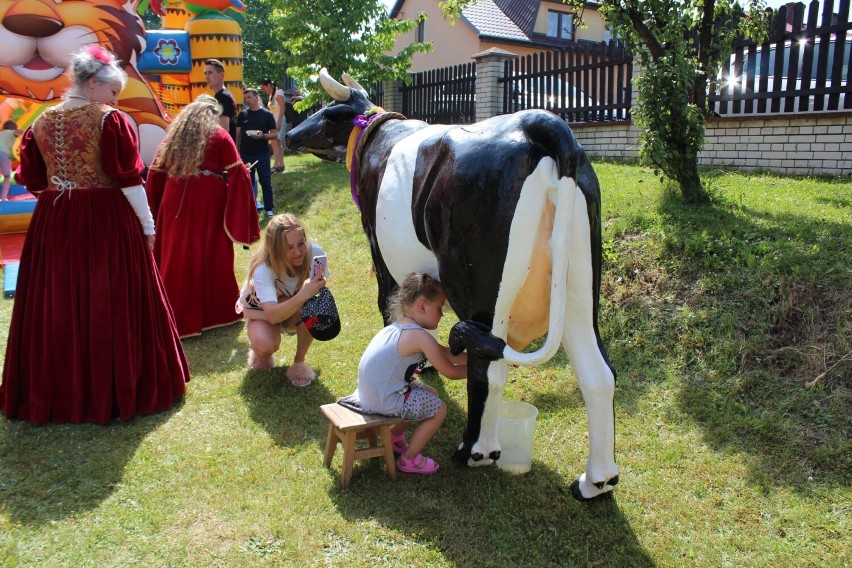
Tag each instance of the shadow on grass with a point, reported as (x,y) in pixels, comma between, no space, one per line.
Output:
(488,517)
(216,350)
(747,357)
(290,414)
(485,516)
(54,471)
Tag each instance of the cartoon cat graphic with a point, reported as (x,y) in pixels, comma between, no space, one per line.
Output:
(38,35)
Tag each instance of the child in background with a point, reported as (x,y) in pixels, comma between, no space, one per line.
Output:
(389,368)
(7,139)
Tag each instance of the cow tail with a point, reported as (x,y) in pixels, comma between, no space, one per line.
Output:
(574,163)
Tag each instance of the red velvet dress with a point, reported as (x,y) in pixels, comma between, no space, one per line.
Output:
(198,219)
(92,337)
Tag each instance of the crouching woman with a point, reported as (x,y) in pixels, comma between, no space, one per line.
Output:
(277,287)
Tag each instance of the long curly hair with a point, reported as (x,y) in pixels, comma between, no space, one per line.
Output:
(182,150)
(274,252)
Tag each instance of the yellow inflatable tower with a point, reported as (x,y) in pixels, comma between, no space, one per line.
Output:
(216,36)
(192,33)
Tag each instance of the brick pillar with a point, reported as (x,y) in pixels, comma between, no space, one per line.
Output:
(393,96)
(489,91)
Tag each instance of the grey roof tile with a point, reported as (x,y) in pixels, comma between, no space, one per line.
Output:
(488,19)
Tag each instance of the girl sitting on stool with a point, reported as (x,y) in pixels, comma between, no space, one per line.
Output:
(389,368)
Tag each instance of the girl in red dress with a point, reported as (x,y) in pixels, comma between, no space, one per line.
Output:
(92,337)
(201,196)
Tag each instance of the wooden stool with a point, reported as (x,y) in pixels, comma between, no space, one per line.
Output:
(346,426)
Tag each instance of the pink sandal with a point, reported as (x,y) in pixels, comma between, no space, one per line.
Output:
(417,464)
(398,443)
(300,374)
(259,363)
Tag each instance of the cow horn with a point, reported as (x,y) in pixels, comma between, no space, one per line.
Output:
(352,83)
(337,91)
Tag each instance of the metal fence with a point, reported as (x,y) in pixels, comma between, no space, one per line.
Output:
(376,92)
(811,75)
(584,82)
(442,96)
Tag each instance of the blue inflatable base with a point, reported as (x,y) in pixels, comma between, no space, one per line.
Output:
(10,279)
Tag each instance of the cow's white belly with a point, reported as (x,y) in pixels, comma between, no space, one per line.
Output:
(401,251)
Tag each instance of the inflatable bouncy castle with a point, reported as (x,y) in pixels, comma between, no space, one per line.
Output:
(165,68)
(174,58)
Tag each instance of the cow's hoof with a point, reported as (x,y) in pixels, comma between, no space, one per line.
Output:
(584,491)
(462,455)
(611,482)
(466,457)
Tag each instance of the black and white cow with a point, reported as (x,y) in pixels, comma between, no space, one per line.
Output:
(506,213)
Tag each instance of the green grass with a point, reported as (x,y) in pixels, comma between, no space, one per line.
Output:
(716,319)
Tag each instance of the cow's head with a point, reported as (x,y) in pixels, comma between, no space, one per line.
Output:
(326,133)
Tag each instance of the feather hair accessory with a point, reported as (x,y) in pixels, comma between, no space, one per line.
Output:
(99,53)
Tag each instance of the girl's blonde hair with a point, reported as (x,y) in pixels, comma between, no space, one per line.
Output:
(414,286)
(182,150)
(273,250)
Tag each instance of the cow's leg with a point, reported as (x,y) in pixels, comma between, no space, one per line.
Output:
(594,374)
(485,382)
(387,285)
(530,213)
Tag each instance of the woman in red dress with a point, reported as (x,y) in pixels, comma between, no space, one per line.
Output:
(92,337)
(201,196)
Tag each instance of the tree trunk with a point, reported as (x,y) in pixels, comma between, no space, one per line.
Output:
(690,184)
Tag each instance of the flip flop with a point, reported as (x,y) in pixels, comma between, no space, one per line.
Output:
(278,170)
(398,443)
(300,374)
(260,363)
(417,464)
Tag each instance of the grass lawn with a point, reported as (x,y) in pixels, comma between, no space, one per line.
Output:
(729,327)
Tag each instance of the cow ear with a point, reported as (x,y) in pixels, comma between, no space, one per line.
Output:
(339,113)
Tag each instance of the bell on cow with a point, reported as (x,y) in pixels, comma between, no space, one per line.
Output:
(516,433)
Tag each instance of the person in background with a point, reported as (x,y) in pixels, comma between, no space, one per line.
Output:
(201,197)
(214,74)
(390,366)
(255,128)
(276,288)
(7,140)
(291,117)
(92,336)
(276,106)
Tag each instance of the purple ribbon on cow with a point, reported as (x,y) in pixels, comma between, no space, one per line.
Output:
(361,122)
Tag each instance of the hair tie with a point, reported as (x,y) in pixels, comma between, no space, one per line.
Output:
(99,53)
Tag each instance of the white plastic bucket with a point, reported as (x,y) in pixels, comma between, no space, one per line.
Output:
(516,433)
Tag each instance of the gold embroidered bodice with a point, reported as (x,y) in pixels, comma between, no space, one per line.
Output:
(69,141)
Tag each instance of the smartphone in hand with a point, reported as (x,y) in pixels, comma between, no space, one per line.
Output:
(318,266)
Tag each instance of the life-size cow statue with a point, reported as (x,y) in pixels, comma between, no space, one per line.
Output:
(506,213)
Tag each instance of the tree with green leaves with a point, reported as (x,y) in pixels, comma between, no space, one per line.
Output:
(342,35)
(259,39)
(679,44)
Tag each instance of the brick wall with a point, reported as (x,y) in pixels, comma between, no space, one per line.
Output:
(806,145)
